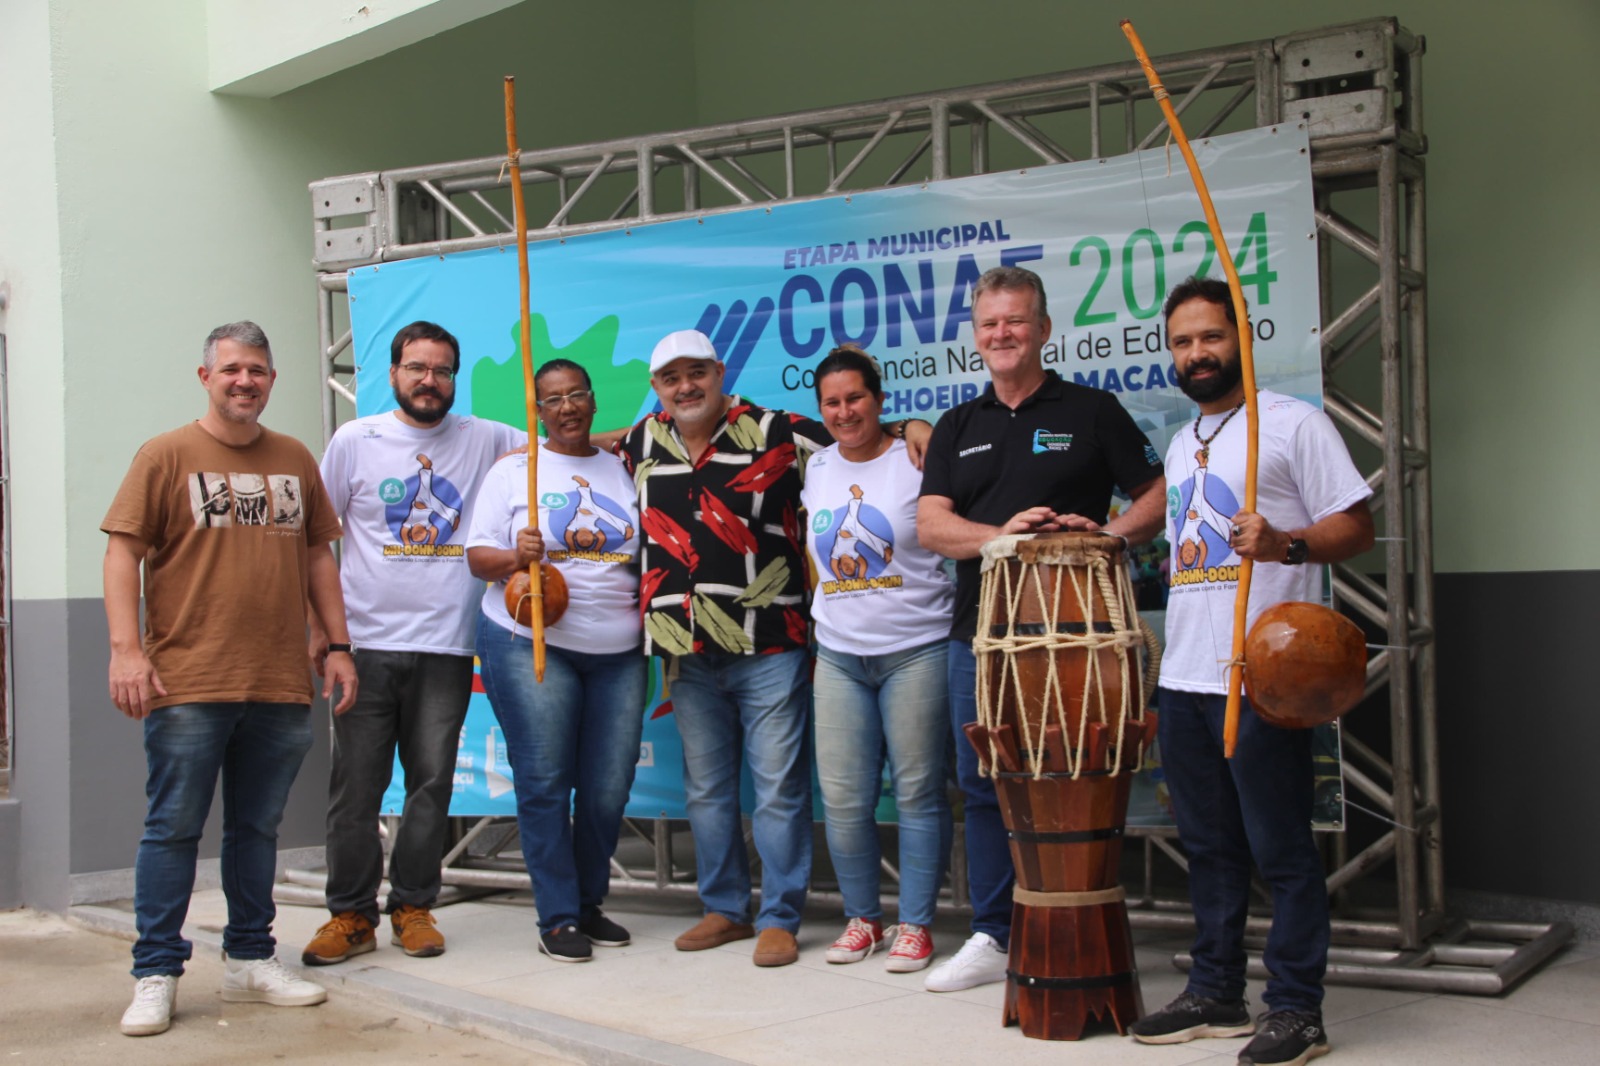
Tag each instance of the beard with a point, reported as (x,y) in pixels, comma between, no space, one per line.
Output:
(228,414)
(1227,377)
(428,417)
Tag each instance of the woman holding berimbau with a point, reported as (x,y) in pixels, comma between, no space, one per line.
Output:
(573,739)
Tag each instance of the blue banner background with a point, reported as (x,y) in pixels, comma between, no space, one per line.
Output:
(776,287)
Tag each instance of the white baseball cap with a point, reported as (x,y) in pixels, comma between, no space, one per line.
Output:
(684,344)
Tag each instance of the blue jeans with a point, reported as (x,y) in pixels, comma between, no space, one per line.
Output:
(867,705)
(1255,806)
(257,749)
(415,701)
(758,705)
(573,744)
(989,871)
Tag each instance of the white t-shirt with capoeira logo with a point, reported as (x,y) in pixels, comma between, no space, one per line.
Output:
(1305,474)
(878,590)
(405,495)
(589,518)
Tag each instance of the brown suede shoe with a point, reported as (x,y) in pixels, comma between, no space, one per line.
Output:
(340,937)
(776,947)
(713,931)
(414,931)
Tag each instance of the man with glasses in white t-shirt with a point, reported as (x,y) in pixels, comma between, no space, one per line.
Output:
(403,483)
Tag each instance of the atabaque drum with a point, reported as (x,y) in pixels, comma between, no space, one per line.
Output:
(1061,728)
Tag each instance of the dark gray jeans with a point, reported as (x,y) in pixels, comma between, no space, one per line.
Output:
(413,701)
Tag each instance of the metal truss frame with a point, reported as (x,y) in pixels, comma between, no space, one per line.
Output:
(1358,89)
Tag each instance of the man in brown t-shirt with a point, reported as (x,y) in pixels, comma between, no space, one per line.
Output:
(233,528)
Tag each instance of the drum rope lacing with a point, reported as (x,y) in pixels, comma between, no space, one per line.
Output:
(1087,571)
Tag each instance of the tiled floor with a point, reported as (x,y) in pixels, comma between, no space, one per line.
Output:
(717,1002)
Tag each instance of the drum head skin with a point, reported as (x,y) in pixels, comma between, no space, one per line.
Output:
(520,606)
(1305,664)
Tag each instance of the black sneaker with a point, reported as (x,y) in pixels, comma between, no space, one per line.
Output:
(1190,1016)
(1286,1038)
(565,944)
(602,930)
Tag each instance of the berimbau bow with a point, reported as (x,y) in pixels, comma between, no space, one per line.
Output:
(535,591)
(1241,603)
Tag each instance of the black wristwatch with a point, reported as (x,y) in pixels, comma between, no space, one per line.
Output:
(1297,552)
(347,649)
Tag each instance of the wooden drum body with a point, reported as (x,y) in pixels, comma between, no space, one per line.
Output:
(1062,728)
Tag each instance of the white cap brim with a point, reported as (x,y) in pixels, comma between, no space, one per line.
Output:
(684,344)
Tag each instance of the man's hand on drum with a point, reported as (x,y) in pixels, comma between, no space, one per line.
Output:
(530,547)
(1076,523)
(1033,520)
(1254,538)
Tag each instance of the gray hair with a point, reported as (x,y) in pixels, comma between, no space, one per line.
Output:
(1011,279)
(246,333)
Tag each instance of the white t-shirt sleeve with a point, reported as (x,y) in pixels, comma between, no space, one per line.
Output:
(1328,479)
(336,472)
(491,509)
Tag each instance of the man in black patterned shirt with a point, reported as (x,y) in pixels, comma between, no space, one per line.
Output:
(723,596)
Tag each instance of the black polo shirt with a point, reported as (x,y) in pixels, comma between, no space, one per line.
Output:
(1064,447)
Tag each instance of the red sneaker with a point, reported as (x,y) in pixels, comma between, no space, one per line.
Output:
(912,950)
(861,938)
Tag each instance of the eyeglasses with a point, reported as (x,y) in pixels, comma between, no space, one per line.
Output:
(580,398)
(420,371)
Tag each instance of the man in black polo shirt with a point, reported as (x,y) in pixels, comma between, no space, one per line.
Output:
(1032,454)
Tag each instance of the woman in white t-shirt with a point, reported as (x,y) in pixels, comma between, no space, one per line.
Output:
(572,741)
(882,611)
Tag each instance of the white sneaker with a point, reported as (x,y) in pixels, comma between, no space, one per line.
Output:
(267,981)
(151,1010)
(981,961)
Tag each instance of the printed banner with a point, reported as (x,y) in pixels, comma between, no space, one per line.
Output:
(891,270)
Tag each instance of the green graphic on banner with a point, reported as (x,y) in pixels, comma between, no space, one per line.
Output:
(497,390)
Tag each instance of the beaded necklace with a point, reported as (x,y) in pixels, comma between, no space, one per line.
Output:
(1205,442)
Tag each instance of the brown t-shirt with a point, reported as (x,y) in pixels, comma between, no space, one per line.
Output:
(225,578)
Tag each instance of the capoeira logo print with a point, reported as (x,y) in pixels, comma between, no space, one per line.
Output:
(856,539)
(587,523)
(1205,505)
(424,509)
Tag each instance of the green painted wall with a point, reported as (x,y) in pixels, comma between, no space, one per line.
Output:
(180,209)
(137,210)
(1512,216)
(30,277)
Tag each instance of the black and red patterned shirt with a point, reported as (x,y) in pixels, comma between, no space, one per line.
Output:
(723,545)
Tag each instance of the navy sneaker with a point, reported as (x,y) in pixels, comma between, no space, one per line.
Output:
(1287,1038)
(565,944)
(602,930)
(1190,1016)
